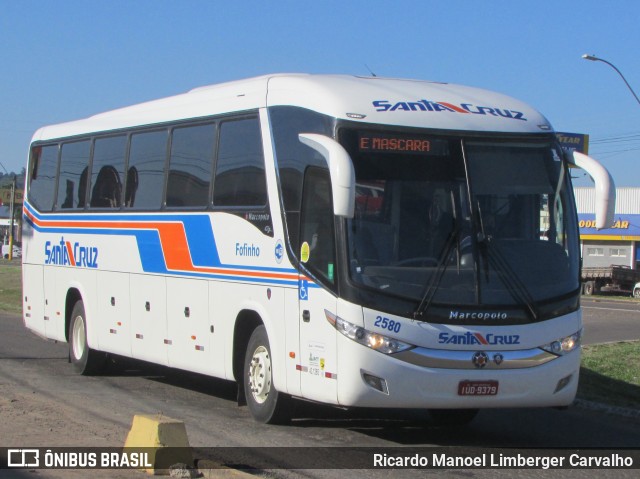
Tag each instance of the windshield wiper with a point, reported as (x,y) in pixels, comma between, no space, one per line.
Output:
(436,277)
(513,284)
(441,268)
(509,278)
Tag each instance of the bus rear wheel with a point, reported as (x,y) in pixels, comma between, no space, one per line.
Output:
(265,403)
(85,360)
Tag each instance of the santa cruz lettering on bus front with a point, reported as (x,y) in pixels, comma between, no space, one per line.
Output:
(466,108)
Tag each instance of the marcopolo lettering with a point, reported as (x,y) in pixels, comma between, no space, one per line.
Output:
(245,249)
(436,106)
(477,338)
(257,216)
(477,315)
(66,254)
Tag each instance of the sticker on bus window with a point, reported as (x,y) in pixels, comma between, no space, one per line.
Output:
(304,252)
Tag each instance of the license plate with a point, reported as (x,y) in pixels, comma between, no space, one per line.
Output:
(478,388)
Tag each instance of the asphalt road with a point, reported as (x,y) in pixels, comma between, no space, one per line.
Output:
(98,410)
(607,320)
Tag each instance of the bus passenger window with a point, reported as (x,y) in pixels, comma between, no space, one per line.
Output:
(240,177)
(73,167)
(107,171)
(147,155)
(190,166)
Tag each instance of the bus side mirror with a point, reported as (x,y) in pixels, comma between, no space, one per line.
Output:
(343,176)
(604,185)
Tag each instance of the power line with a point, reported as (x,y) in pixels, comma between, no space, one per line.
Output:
(614,139)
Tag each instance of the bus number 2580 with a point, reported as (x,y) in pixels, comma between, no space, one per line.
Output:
(388,324)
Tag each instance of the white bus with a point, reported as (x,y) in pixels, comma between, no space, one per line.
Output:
(355,241)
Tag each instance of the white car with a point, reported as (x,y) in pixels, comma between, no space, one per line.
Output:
(17,251)
(636,290)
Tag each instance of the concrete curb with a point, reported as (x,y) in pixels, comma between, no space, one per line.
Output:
(163,438)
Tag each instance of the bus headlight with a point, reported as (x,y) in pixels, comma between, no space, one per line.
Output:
(565,345)
(379,342)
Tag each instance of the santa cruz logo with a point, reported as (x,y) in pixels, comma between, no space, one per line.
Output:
(480,359)
(66,254)
(436,106)
(477,338)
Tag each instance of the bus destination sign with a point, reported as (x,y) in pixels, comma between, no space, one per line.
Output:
(406,144)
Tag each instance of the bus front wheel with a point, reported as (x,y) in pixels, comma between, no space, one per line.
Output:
(85,360)
(265,403)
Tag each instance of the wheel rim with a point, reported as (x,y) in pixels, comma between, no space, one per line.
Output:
(78,338)
(260,374)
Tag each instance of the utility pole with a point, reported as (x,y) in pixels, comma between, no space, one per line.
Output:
(12,207)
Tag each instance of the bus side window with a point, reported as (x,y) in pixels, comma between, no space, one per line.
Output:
(190,163)
(316,225)
(42,184)
(147,155)
(107,171)
(240,175)
(74,161)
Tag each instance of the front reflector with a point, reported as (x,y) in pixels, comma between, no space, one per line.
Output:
(563,383)
(375,382)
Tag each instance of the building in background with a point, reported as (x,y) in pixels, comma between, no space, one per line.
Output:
(619,245)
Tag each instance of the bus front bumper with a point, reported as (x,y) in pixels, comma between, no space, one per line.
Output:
(368,378)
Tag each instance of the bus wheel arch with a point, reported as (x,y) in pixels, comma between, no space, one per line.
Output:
(246,322)
(252,370)
(85,360)
(73,296)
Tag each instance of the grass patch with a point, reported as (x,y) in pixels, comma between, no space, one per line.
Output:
(610,374)
(10,287)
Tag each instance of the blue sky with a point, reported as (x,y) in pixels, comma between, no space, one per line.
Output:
(63,60)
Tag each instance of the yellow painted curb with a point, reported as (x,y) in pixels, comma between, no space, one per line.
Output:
(163,439)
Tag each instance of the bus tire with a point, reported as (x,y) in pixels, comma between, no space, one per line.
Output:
(85,360)
(452,417)
(265,403)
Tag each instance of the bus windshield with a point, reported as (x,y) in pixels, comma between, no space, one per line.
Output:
(448,221)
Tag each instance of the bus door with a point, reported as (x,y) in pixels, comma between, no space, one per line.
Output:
(318,357)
